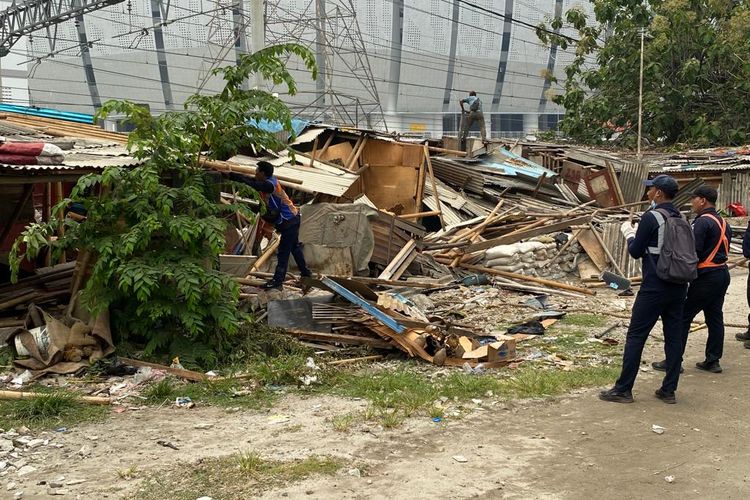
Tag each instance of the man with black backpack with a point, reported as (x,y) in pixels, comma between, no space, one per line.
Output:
(706,293)
(665,243)
(470,116)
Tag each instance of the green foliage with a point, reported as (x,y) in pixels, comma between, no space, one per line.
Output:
(696,71)
(155,232)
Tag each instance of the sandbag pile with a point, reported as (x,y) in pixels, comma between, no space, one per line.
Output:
(537,257)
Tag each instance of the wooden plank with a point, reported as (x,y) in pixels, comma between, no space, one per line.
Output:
(391,272)
(606,250)
(92,400)
(593,248)
(518,236)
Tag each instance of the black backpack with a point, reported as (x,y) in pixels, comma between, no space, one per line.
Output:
(678,262)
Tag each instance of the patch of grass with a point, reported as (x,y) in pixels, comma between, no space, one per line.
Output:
(48,411)
(229,394)
(397,395)
(343,423)
(131,472)
(233,477)
(585,320)
(160,392)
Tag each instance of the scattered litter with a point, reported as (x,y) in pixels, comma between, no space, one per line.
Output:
(279,419)
(669,479)
(211,374)
(204,498)
(61,429)
(476,401)
(74,482)
(658,429)
(354,472)
(437,419)
(176,364)
(203,427)
(23,378)
(184,402)
(460,459)
(167,444)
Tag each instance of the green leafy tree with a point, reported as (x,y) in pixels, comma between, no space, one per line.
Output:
(154,232)
(696,71)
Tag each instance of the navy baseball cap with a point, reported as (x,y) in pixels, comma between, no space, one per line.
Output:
(663,182)
(707,192)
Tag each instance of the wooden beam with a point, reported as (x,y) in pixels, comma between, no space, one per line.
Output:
(355,158)
(92,400)
(419,215)
(521,235)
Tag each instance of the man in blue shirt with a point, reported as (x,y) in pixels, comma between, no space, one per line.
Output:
(706,293)
(470,116)
(656,299)
(283,215)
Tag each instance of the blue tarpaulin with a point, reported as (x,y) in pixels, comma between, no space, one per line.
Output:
(275,127)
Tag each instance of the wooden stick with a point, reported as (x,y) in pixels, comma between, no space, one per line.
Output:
(354,151)
(92,400)
(270,251)
(177,372)
(434,185)
(350,165)
(314,150)
(327,143)
(531,279)
(228,166)
(436,149)
(340,362)
(539,184)
(419,215)
(420,186)
(81,267)
(27,297)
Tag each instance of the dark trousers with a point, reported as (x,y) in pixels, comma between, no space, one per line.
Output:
(648,307)
(289,244)
(706,294)
(748,302)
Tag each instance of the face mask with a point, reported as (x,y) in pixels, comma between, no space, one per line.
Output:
(652,206)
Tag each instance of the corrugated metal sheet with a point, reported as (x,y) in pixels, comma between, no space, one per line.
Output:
(332,181)
(631,181)
(616,245)
(47,113)
(308,136)
(450,216)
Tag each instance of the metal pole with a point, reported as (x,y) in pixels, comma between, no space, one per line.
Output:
(640,97)
(258,30)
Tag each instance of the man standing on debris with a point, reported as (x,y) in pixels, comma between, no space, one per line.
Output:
(706,293)
(283,215)
(656,298)
(470,116)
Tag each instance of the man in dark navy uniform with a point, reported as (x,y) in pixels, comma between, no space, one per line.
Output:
(706,293)
(656,298)
(745,336)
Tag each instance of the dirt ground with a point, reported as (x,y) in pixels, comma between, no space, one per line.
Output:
(564,448)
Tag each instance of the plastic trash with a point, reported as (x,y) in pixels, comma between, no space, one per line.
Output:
(184,402)
(476,279)
(23,378)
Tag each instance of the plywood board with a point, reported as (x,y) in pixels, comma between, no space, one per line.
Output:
(338,152)
(413,155)
(387,187)
(383,153)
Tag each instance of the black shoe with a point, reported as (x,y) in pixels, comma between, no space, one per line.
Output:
(747,344)
(744,336)
(667,397)
(271,285)
(306,274)
(662,366)
(713,366)
(615,396)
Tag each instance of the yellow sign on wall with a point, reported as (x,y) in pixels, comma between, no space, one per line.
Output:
(417,127)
